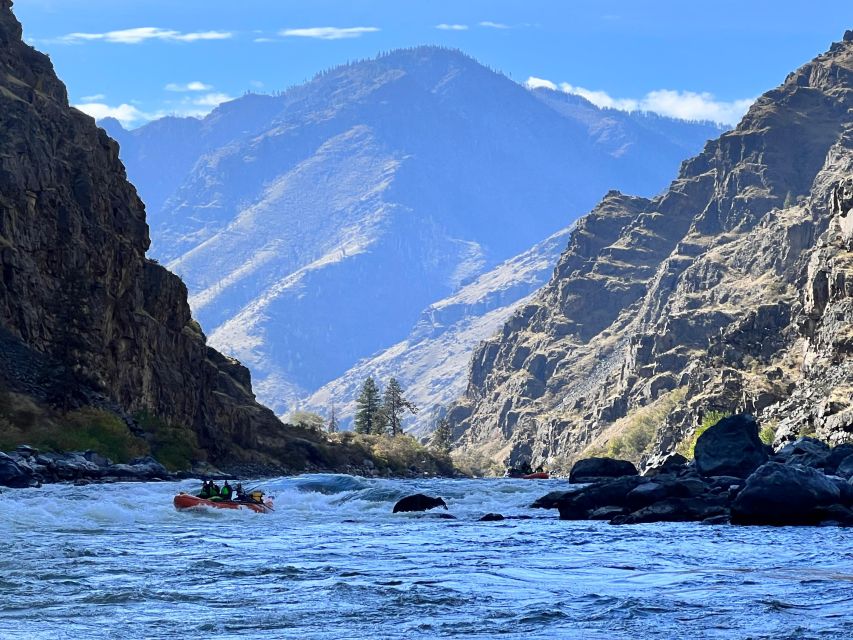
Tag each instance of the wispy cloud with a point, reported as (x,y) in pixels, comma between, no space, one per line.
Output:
(494,25)
(685,105)
(125,113)
(195,85)
(328,33)
(540,83)
(95,98)
(452,27)
(131,115)
(143,34)
(212,99)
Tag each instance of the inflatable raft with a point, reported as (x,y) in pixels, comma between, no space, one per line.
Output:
(185,501)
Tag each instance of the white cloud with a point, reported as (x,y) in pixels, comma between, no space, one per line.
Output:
(540,83)
(95,98)
(686,105)
(212,99)
(328,33)
(452,27)
(494,25)
(195,85)
(141,34)
(264,40)
(127,114)
(696,106)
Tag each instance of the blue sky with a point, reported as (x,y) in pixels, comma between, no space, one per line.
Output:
(140,59)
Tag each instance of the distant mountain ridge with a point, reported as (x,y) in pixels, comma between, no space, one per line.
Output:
(314,228)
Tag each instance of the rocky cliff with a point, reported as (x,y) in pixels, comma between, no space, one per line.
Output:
(85,317)
(728,292)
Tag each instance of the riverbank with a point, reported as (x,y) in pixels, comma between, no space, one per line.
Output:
(26,467)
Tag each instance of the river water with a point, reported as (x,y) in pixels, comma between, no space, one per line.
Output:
(117,561)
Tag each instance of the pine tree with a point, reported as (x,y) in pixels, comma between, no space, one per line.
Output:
(332,424)
(367,418)
(394,406)
(442,437)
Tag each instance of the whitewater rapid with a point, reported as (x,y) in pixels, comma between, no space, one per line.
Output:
(332,561)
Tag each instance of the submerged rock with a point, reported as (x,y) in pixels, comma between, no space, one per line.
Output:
(492,517)
(418,502)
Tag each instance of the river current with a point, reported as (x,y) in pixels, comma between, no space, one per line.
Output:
(332,561)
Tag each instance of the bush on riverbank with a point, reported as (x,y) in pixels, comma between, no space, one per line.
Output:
(22,421)
(396,455)
(688,445)
(174,446)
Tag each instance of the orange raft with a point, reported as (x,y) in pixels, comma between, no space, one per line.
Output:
(185,501)
(540,475)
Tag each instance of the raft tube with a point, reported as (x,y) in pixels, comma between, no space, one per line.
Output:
(185,501)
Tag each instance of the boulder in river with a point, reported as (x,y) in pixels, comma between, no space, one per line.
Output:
(418,502)
(808,452)
(784,494)
(730,448)
(13,475)
(672,463)
(836,457)
(595,469)
(492,517)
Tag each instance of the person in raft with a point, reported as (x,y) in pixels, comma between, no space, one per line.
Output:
(226,493)
(210,491)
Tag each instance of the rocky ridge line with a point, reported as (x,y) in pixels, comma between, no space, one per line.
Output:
(710,292)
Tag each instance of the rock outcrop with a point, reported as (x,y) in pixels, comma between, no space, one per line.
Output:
(729,292)
(786,490)
(85,317)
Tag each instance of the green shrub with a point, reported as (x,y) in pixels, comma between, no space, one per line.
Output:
(635,433)
(768,432)
(687,446)
(307,420)
(98,430)
(174,446)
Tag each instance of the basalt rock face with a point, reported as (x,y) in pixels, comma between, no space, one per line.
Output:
(732,291)
(77,292)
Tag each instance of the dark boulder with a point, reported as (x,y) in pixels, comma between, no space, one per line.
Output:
(845,468)
(550,500)
(596,469)
(673,463)
(807,452)
(836,457)
(730,448)
(677,510)
(783,494)
(13,475)
(608,493)
(492,517)
(146,468)
(418,502)
(648,493)
(606,513)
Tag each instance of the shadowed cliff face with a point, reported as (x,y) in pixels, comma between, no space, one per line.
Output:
(692,301)
(78,293)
